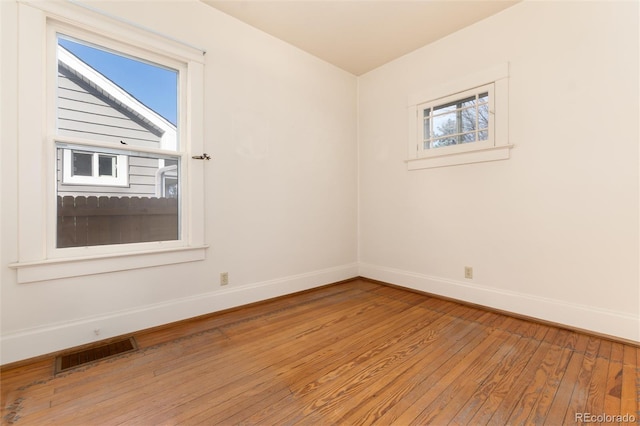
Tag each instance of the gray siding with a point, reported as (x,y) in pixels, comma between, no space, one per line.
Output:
(142,172)
(82,112)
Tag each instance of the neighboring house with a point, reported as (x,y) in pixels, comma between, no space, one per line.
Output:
(90,106)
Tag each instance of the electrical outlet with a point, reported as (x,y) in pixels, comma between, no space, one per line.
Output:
(468,272)
(224,278)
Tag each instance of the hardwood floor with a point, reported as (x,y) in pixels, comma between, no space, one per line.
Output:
(353,353)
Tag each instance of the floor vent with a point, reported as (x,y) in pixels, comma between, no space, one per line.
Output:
(86,356)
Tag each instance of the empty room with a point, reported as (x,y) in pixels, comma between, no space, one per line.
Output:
(319,212)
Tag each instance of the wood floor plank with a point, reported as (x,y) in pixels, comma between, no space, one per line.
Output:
(559,356)
(454,332)
(596,393)
(630,383)
(409,405)
(581,385)
(386,392)
(277,365)
(497,408)
(241,354)
(456,395)
(537,374)
(352,373)
(354,353)
(289,352)
(560,404)
(613,386)
(383,390)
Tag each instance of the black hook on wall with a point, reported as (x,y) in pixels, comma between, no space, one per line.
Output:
(204,156)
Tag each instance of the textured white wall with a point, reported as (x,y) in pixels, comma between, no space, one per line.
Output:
(553,231)
(280,192)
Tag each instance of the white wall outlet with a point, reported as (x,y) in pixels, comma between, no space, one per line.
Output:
(468,272)
(224,278)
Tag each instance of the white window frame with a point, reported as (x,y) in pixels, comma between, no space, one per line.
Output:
(493,80)
(120,179)
(38,258)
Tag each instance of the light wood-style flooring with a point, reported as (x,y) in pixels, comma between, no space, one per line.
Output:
(352,353)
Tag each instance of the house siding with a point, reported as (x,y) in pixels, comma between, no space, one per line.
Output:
(141,181)
(82,112)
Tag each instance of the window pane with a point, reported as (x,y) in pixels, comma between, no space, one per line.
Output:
(106,165)
(426,135)
(451,106)
(483,116)
(439,143)
(467,102)
(446,124)
(468,119)
(171,187)
(467,138)
(443,109)
(113,98)
(96,210)
(82,164)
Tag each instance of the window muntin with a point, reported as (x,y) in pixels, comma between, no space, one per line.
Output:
(463,118)
(118,160)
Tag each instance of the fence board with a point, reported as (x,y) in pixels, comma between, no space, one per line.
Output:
(89,221)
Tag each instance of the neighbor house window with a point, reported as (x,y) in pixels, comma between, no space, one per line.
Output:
(94,168)
(460,121)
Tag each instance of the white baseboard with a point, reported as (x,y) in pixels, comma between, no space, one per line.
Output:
(589,318)
(52,338)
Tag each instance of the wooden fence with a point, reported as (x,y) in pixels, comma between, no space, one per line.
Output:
(91,221)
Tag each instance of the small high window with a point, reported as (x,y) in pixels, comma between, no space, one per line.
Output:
(461,121)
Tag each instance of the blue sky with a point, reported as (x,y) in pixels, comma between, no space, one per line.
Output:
(154,86)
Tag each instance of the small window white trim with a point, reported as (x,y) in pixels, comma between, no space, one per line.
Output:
(496,147)
(422,151)
(121,177)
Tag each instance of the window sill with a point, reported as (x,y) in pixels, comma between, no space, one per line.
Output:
(482,155)
(52,269)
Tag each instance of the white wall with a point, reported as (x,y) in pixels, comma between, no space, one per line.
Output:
(553,231)
(280,192)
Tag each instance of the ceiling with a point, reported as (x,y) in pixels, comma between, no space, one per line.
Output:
(360,35)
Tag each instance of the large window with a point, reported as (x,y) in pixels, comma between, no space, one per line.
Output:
(116,127)
(106,140)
